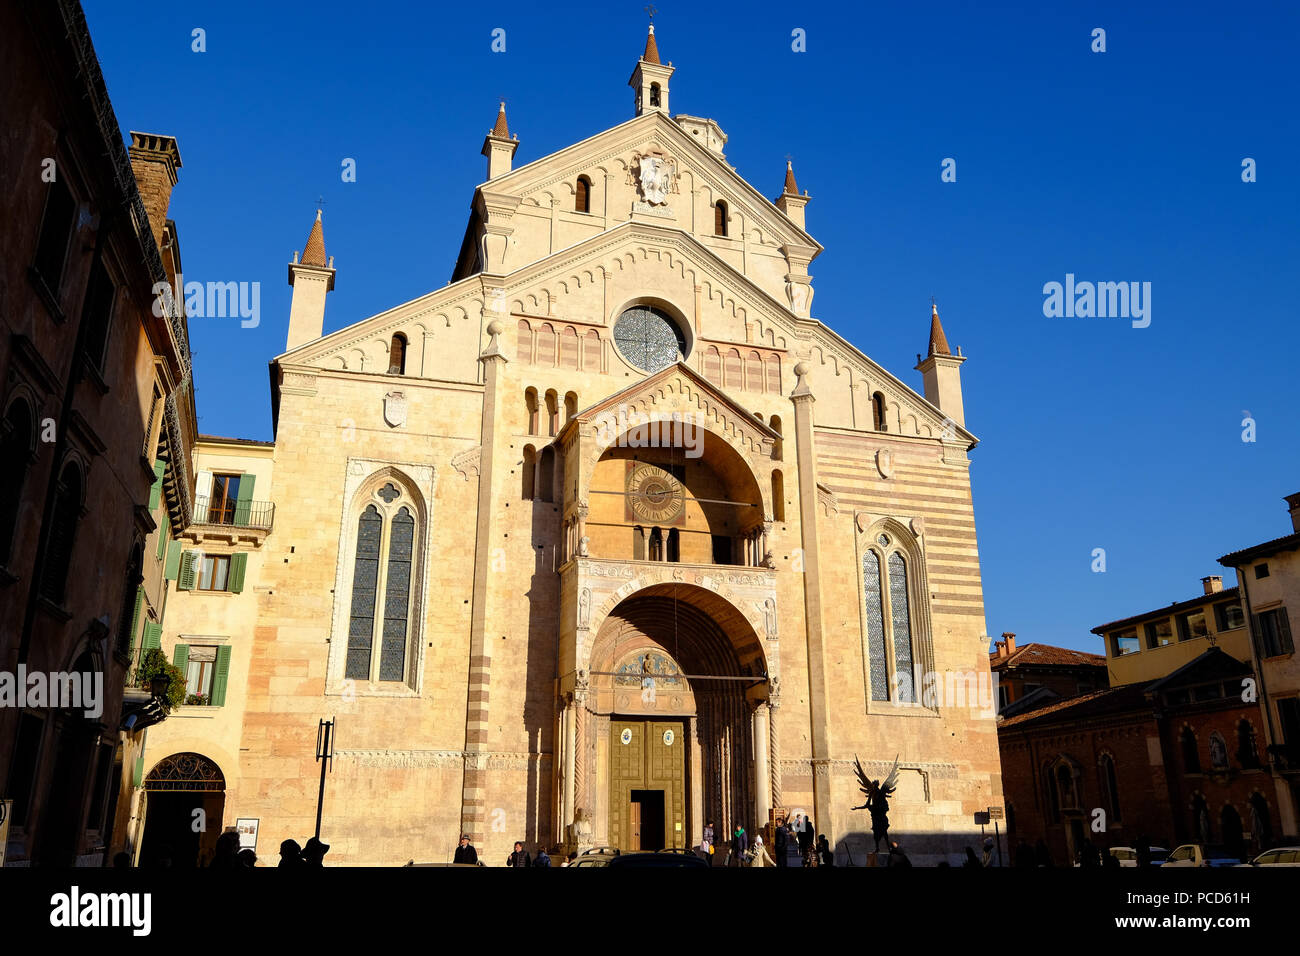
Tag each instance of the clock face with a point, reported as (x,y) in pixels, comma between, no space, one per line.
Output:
(654,495)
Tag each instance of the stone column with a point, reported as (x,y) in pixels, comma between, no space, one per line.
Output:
(762,767)
(802,398)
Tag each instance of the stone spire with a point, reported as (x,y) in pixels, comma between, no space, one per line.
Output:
(311,277)
(651,54)
(791,187)
(498,147)
(650,79)
(790,202)
(938,341)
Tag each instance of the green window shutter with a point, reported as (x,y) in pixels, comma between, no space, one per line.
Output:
(221,676)
(235,579)
(244,500)
(135,617)
(155,490)
(137,775)
(152,635)
(173,566)
(185,578)
(163,537)
(182,658)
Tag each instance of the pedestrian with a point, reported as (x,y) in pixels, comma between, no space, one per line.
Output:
(825,855)
(313,854)
(805,836)
(519,857)
(290,855)
(706,844)
(245,859)
(972,861)
(543,858)
(1042,855)
(465,853)
(739,844)
(1109,861)
(758,856)
(1089,855)
(223,858)
(122,861)
(987,859)
(1144,850)
(779,841)
(897,858)
(573,855)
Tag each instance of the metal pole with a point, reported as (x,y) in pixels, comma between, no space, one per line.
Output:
(324,756)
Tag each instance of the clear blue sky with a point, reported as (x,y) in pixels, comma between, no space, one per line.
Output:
(1123,165)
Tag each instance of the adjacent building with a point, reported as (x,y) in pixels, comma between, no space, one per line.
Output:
(1269,577)
(1036,674)
(96,422)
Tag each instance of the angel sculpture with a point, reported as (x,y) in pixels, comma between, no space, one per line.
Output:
(877,795)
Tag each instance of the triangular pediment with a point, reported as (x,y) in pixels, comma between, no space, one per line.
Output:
(677,388)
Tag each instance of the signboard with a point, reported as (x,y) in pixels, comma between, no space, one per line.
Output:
(247,828)
(996,813)
(981,818)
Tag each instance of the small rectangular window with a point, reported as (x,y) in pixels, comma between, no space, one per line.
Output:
(1288,719)
(1124,642)
(225,493)
(199,672)
(97,314)
(1228,616)
(1160,633)
(213,574)
(1261,570)
(56,231)
(1275,632)
(1192,625)
(22,770)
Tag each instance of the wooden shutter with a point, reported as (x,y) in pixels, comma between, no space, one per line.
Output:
(152,635)
(235,576)
(1284,632)
(135,619)
(155,490)
(163,537)
(244,500)
(137,772)
(172,566)
(182,659)
(221,676)
(202,496)
(186,575)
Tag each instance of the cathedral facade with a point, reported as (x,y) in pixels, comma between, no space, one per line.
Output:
(610,538)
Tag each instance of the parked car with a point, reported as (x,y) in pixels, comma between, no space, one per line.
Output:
(1128,856)
(1278,856)
(1202,854)
(659,858)
(595,856)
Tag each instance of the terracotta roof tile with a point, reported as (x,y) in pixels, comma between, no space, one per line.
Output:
(314,254)
(651,48)
(501,130)
(791,187)
(1049,655)
(938,341)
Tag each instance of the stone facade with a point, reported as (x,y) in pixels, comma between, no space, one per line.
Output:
(468,572)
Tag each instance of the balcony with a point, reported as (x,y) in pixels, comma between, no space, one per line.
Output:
(231,520)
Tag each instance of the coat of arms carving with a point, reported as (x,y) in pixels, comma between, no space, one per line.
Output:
(656,176)
(395,409)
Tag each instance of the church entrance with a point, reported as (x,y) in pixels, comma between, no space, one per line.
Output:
(647,784)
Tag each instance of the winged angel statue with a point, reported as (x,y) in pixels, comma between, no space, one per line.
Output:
(877,795)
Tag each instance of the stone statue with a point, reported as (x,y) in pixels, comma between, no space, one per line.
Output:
(877,795)
(583,543)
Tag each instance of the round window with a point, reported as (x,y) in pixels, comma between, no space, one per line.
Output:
(648,338)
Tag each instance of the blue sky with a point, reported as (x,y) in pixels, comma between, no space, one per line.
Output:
(1115,166)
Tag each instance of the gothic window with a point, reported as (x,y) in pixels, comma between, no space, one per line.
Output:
(582,195)
(648,338)
(16,444)
(896,639)
(383,583)
(63,533)
(1110,785)
(720,218)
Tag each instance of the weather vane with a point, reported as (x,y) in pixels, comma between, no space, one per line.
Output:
(652,11)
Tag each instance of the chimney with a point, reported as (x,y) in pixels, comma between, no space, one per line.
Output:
(1009,640)
(1293,503)
(154,161)
(1213,584)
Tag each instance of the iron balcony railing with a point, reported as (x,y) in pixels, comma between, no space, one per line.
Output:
(229,513)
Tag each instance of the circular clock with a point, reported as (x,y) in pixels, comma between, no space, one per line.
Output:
(655,495)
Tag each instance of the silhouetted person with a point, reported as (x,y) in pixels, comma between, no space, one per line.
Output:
(223,858)
(543,858)
(313,854)
(1024,855)
(290,854)
(805,837)
(245,859)
(972,861)
(519,858)
(1042,855)
(825,855)
(1144,850)
(739,846)
(987,859)
(1090,855)
(465,853)
(897,857)
(1109,861)
(779,841)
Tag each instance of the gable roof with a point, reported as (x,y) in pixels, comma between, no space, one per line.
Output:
(1047,655)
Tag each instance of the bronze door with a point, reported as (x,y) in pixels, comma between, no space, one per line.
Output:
(647,784)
